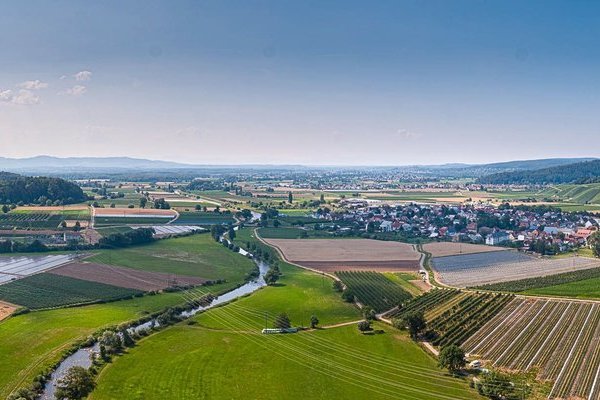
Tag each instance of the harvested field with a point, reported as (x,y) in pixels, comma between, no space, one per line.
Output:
(349,254)
(72,207)
(559,338)
(479,269)
(443,249)
(125,277)
(6,309)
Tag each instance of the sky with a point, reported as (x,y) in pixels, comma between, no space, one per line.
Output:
(301,82)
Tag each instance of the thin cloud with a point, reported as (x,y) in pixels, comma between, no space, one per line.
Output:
(77,90)
(33,85)
(82,76)
(22,97)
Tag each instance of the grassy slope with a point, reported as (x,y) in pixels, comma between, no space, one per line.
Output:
(224,357)
(204,364)
(34,341)
(197,255)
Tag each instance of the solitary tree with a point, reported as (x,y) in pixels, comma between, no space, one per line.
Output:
(143,202)
(338,286)
(282,321)
(290,197)
(314,321)
(452,357)
(593,241)
(368,313)
(5,209)
(416,323)
(75,385)
(364,326)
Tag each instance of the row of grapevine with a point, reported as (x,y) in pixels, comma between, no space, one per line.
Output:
(559,338)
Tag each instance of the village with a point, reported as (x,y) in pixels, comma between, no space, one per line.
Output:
(540,229)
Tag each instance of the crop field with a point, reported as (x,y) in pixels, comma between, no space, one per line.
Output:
(203,218)
(540,285)
(282,233)
(12,268)
(124,277)
(332,255)
(374,289)
(197,255)
(47,290)
(30,221)
(133,212)
(472,270)
(444,249)
(452,315)
(139,220)
(561,339)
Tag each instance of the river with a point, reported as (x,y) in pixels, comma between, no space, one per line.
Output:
(83,357)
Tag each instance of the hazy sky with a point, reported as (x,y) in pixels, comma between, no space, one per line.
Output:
(312,82)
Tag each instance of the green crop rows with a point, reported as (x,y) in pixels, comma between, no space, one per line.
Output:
(374,289)
(49,290)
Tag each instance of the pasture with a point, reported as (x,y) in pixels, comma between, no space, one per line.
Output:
(332,255)
(472,270)
(33,342)
(224,356)
(558,339)
(195,362)
(47,290)
(444,249)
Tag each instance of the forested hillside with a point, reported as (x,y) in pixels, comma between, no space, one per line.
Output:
(17,188)
(583,172)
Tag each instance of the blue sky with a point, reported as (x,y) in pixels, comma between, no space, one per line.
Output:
(310,82)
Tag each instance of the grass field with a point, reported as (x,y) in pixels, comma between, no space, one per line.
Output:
(584,289)
(224,356)
(49,290)
(282,233)
(194,362)
(197,255)
(32,342)
(111,221)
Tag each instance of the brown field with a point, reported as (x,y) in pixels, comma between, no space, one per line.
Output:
(443,249)
(6,309)
(331,255)
(118,212)
(53,208)
(124,277)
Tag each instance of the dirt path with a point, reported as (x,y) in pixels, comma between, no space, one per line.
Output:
(341,324)
(6,309)
(432,349)
(174,219)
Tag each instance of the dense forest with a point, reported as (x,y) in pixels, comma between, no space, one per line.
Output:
(39,190)
(583,172)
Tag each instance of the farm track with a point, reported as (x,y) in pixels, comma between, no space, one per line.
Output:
(560,337)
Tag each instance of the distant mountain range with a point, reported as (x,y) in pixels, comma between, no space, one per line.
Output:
(56,165)
(84,162)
